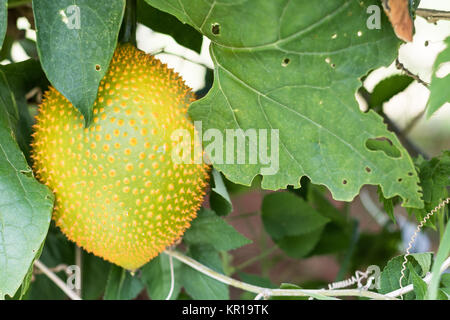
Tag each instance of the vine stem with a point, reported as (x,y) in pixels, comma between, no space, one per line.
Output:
(172,279)
(56,280)
(79,263)
(266,292)
(433,16)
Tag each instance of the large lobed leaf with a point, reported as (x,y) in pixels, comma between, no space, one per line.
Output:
(75,56)
(294,66)
(25,205)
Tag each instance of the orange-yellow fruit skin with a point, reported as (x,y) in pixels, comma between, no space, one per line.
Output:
(118,193)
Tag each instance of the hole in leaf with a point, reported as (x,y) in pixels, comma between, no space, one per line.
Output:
(285,62)
(344,181)
(410,174)
(400,180)
(368,170)
(215,28)
(333,65)
(97,67)
(385,145)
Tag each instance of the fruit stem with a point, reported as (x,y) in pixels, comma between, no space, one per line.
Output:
(128,28)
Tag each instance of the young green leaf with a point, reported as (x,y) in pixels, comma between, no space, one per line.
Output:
(26,205)
(295,67)
(439,93)
(420,286)
(210,229)
(76,41)
(434,175)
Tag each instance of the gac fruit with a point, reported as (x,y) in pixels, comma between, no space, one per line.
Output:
(118,192)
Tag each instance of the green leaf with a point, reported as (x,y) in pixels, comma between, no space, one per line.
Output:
(208,228)
(157,279)
(76,41)
(387,88)
(198,285)
(219,199)
(292,223)
(22,292)
(420,286)
(442,254)
(295,66)
(445,283)
(439,93)
(434,176)
(3,20)
(121,285)
(390,276)
(25,204)
(162,22)
(388,204)
(424,261)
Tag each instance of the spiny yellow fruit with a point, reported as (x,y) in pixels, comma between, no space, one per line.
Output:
(119,194)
